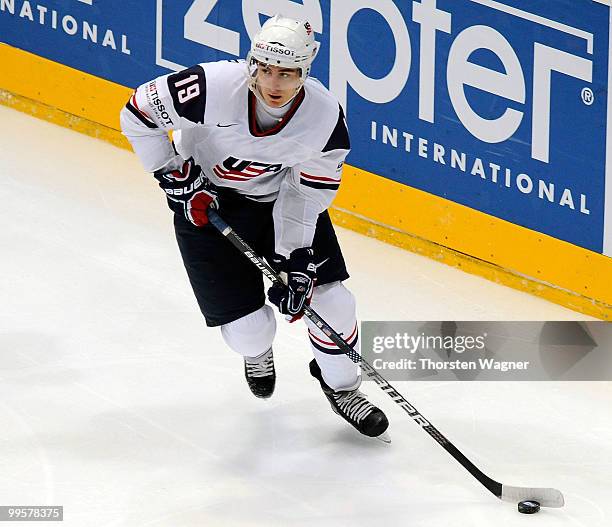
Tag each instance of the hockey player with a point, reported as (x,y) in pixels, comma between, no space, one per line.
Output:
(265,144)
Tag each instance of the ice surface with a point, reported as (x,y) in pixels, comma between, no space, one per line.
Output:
(119,404)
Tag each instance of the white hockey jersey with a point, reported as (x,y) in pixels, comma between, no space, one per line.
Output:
(298,163)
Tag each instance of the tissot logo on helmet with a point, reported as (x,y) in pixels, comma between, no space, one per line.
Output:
(275,49)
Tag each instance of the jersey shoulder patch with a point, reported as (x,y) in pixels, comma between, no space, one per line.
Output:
(329,117)
(188,91)
(339,138)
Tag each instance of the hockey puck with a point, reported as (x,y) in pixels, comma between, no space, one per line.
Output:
(528,507)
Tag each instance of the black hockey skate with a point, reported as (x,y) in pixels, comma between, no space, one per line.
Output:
(354,408)
(260,375)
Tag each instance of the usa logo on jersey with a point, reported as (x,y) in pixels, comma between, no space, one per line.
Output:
(244,170)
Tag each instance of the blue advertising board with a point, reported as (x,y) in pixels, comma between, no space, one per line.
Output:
(501,106)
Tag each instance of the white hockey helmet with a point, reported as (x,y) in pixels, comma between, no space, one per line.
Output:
(285,43)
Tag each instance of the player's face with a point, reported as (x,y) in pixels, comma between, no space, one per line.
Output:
(277,85)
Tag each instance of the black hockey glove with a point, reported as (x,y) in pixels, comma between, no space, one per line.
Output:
(189,192)
(301,276)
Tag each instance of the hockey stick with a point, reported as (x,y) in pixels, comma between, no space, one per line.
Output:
(546,497)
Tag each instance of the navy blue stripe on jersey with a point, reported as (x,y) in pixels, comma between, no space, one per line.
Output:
(322,185)
(339,138)
(319,182)
(139,115)
(329,347)
(188,91)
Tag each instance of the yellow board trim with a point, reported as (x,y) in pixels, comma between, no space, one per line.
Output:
(58,86)
(465,262)
(372,205)
(515,249)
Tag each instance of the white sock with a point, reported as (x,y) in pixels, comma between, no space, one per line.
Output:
(251,335)
(336,305)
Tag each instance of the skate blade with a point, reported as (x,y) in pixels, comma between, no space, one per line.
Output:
(384,437)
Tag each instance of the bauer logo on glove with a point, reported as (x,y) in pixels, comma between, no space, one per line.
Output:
(189,192)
